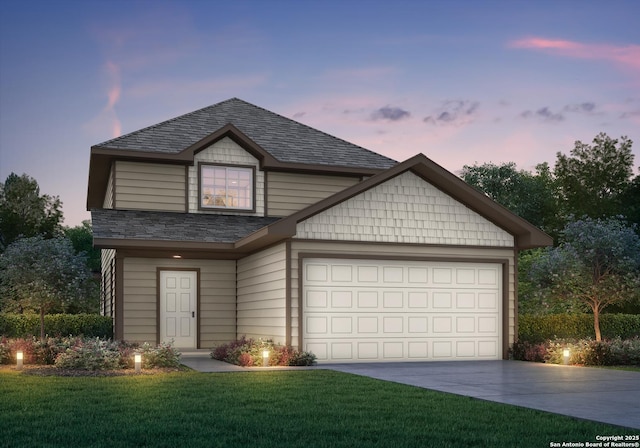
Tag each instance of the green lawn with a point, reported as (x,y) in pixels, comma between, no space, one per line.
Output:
(308,408)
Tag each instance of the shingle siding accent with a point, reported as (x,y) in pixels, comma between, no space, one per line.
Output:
(149,186)
(226,152)
(290,192)
(261,294)
(405,209)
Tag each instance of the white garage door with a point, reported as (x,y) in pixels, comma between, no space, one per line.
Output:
(375,310)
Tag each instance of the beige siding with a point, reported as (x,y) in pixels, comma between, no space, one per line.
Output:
(217,298)
(287,193)
(225,152)
(261,294)
(107,290)
(109,195)
(149,186)
(372,251)
(405,209)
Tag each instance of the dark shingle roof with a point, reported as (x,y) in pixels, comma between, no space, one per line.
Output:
(167,226)
(286,140)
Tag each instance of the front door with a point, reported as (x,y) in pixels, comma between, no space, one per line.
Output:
(178,308)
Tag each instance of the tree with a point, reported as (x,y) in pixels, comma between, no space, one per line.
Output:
(24,212)
(630,202)
(593,179)
(38,274)
(82,239)
(597,264)
(530,196)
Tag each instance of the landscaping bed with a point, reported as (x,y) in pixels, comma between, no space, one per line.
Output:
(86,354)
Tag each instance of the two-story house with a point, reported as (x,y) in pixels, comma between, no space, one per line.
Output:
(233,220)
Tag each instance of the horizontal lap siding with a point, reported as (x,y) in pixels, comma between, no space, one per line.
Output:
(107,261)
(373,251)
(217,298)
(261,294)
(150,186)
(109,195)
(288,193)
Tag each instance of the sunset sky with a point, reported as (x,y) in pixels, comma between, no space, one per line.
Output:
(459,81)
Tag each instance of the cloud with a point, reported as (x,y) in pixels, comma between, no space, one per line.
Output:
(456,112)
(544,113)
(587,108)
(625,56)
(390,114)
(113,96)
(108,117)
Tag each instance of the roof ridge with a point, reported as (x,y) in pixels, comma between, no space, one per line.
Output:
(153,126)
(315,129)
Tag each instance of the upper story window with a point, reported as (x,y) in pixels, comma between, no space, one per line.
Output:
(227,187)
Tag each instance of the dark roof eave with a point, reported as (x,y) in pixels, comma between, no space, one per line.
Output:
(197,246)
(102,158)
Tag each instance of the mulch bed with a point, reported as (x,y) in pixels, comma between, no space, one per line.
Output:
(35,370)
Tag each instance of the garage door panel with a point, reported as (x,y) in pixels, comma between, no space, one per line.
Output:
(401,324)
(368,310)
(347,350)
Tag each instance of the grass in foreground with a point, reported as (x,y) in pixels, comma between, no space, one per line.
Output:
(316,408)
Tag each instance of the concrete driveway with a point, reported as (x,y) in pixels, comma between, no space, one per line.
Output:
(604,395)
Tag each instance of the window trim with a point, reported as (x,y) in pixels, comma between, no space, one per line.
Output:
(227,209)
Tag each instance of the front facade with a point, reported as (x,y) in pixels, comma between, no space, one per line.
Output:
(233,220)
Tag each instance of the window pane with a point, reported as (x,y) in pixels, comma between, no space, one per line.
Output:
(227,187)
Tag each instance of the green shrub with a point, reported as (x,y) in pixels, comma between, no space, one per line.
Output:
(91,354)
(587,352)
(625,352)
(27,325)
(164,355)
(303,359)
(248,352)
(534,328)
(5,352)
(87,353)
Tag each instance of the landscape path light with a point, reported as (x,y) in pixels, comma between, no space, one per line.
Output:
(137,359)
(265,358)
(566,354)
(19,359)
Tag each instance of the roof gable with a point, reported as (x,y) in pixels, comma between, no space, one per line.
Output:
(286,140)
(405,209)
(526,234)
(278,142)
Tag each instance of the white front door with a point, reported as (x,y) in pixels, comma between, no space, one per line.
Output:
(178,290)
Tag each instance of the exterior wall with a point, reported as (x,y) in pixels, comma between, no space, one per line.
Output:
(217,310)
(261,294)
(288,192)
(107,290)
(373,251)
(149,186)
(405,209)
(109,195)
(227,152)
